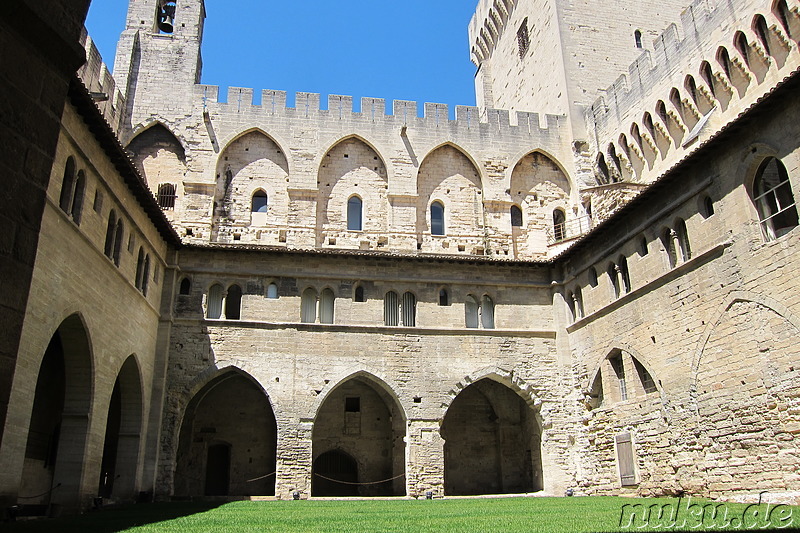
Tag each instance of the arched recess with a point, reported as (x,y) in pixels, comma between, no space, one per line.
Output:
(450,176)
(228,439)
(160,158)
(539,185)
(745,389)
(121,446)
(250,161)
(352,168)
(359,418)
(56,446)
(492,442)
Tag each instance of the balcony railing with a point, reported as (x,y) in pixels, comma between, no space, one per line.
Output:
(569,229)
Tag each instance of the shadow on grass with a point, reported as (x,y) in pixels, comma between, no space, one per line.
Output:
(111,520)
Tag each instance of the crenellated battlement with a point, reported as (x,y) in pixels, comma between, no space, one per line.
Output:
(698,77)
(242,100)
(98,79)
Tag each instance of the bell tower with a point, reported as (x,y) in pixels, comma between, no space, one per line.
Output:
(158,56)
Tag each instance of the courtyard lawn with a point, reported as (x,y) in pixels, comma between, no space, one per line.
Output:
(550,515)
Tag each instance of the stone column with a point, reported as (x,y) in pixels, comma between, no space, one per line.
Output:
(425,464)
(294,460)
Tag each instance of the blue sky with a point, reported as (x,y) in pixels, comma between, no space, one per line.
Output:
(404,50)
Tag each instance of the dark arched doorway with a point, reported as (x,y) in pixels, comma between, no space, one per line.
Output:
(492,442)
(335,474)
(56,445)
(228,440)
(359,437)
(123,429)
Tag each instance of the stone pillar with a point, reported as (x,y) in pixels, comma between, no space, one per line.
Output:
(425,465)
(294,460)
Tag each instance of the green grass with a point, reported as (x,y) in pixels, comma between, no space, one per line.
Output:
(529,515)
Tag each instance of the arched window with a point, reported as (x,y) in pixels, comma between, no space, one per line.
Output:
(77,200)
(233,303)
(625,277)
(637,38)
(570,298)
(471,312)
(602,169)
(593,277)
(146,274)
(760,27)
(444,298)
(774,199)
(559,229)
(119,234)
(67,186)
(578,303)
(668,242)
(186,287)
(516,216)
(165,16)
(110,231)
(139,269)
(409,310)
(613,279)
(487,313)
(354,213)
(437,218)
(707,207)
(272,291)
(166,196)
(326,302)
(214,303)
(683,240)
(391,308)
(308,306)
(643,246)
(359,295)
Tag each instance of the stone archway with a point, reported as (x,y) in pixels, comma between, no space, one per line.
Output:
(361,421)
(228,440)
(53,467)
(492,442)
(120,462)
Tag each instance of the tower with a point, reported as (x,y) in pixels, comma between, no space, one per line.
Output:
(158,56)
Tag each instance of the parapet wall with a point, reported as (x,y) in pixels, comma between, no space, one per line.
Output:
(98,79)
(656,98)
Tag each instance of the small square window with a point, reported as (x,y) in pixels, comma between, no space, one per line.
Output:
(352,405)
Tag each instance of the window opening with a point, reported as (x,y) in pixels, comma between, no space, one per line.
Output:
(186,287)
(354,214)
(308,306)
(637,38)
(272,291)
(523,39)
(516,216)
(444,298)
(437,218)
(359,294)
(326,304)
(166,196)
(774,199)
(233,303)
(391,307)
(214,305)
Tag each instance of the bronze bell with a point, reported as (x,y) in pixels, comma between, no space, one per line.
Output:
(166,19)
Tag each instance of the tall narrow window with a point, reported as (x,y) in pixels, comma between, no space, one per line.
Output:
(110,231)
(308,306)
(444,297)
(77,200)
(570,298)
(516,216)
(625,277)
(146,274)
(233,303)
(487,313)
(186,287)
(637,38)
(326,302)
(774,199)
(391,306)
(471,311)
(593,277)
(139,269)
(214,303)
(259,203)
(707,207)
(354,213)
(166,196)
(119,234)
(67,186)
(165,16)
(523,39)
(613,279)
(619,371)
(602,169)
(437,218)
(669,246)
(272,291)
(359,295)
(409,310)
(648,384)
(683,240)
(559,225)
(579,313)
